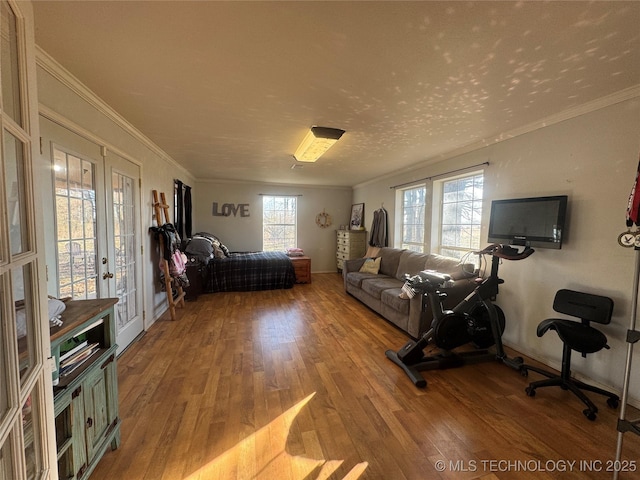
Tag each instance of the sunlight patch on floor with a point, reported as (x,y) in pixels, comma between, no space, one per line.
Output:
(263,455)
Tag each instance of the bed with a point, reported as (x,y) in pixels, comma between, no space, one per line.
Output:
(226,271)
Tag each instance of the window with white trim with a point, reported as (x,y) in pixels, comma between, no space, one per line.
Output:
(460,215)
(279,222)
(413,215)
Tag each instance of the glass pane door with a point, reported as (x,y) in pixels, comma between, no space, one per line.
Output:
(125,248)
(75,225)
(26,398)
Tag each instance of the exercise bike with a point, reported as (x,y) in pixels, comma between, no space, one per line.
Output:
(474,320)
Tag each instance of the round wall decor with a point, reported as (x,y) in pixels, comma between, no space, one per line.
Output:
(323,220)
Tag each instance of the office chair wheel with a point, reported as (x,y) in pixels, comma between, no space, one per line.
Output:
(531,392)
(613,402)
(590,414)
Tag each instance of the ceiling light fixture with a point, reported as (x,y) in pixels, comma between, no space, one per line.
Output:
(316,143)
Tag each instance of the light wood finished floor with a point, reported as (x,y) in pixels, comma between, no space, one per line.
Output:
(294,384)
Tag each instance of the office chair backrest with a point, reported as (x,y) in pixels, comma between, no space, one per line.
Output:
(587,307)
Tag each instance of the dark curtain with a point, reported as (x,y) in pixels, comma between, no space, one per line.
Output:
(179,221)
(183,209)
(187,211)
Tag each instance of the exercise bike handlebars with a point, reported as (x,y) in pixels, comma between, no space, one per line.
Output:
(505,251)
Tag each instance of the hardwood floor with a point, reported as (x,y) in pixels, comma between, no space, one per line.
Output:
(294,384)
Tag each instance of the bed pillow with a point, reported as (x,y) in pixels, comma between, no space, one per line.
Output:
(200,248)
(371,265)
(216,242)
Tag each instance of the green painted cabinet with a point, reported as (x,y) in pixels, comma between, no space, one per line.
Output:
(86,390)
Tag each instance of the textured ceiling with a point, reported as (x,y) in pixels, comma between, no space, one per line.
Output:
(229,89)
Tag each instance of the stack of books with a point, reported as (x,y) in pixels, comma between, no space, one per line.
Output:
(76,357)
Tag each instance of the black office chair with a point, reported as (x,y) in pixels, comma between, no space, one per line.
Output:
(578,336)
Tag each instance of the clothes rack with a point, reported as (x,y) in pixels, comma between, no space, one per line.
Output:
(161,209)
(633,335)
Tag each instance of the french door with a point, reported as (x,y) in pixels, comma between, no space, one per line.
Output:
(27,439)
(96,223)
(124,246)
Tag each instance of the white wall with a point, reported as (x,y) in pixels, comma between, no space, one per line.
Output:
(59,92)
(245,233)
(593,159)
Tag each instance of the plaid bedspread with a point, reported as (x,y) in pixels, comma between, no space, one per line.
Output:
(243,272)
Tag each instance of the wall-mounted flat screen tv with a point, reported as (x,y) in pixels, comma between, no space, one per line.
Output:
(532,222)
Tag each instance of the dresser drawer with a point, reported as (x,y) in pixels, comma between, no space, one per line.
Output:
(342,256)
(343,248)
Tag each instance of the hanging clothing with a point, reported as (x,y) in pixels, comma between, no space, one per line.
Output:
(378,237)
(633,208)
(171,253)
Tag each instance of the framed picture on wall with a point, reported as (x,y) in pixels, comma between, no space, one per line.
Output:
(357,216)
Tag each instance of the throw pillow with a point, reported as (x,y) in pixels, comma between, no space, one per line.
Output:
(371,265)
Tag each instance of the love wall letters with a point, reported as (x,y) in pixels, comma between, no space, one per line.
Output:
(229,209)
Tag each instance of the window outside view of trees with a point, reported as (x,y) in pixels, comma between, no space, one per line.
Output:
(461,215)
(76,226)
(413,205)
(279,228)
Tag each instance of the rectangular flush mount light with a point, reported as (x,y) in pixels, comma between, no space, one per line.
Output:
(317,141)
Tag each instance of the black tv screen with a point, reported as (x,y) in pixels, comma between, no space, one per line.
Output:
(531,222)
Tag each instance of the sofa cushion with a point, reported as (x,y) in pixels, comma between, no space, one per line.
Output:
(375,286)
(370,265)
(356,278)
(392,298)
(410,263)
(389,260)
(449,265)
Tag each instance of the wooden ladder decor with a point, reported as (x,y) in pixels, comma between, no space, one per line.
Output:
(160,207)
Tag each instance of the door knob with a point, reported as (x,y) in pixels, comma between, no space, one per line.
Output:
(107,275)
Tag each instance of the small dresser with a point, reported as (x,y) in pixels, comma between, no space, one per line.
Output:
(350,244)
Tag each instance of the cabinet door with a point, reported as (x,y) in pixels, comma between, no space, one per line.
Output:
(78,449)
(99,407)
(70,435)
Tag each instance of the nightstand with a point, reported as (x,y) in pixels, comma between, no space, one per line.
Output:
(302,267)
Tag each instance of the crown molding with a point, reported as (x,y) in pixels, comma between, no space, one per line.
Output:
(226,181)
(55,69)
(574,112)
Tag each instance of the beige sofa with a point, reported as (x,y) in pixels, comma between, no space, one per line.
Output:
(381,291)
